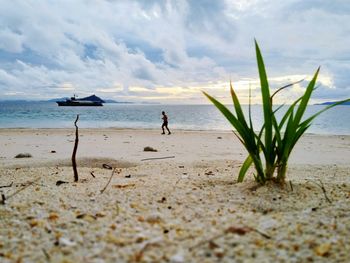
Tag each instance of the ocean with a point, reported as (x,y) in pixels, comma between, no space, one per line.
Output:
(186,117)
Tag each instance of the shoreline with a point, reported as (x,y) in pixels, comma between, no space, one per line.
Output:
(152,129)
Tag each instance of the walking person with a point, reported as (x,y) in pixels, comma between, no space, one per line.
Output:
(165,123)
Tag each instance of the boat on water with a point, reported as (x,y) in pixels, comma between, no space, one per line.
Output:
(87,101)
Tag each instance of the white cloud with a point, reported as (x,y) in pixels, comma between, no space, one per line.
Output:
(10,41)
(92,45)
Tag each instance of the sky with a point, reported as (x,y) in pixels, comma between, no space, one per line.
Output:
(168,51)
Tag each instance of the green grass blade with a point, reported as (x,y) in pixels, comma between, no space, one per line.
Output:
(238,108)
(239,138)
(245,166)
(247,136)
(267,109)
(284,87)
(250,109)
(288,136)
(305,99)
(242,131)
(288,112)
(265,91)
(278,108)
(297,136)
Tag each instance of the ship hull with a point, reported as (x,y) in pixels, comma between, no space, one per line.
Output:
(79,103)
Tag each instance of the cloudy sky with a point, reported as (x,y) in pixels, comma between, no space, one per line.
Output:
(167,51)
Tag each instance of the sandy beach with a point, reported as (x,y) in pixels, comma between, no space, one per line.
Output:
(186,207)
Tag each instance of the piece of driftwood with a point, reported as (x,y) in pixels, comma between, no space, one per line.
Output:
(59,182)
(3,199)
(149,149)
(158,158)
(74,163)
(4,186)
(106,166)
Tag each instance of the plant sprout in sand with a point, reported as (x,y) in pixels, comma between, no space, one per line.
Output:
(270,148)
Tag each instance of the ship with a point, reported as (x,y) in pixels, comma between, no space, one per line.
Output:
(92,100)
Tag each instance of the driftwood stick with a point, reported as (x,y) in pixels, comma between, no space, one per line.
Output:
(3,186)
(74,163)
(158,158)
(3,199)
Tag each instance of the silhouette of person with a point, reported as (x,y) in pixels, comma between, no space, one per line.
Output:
(165,123)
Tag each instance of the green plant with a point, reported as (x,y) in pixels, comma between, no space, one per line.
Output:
(270,148)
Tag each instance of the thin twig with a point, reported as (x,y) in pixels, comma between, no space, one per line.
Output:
(110,178)
(3,199)
(3,186)
(139,255)
(178,181)
(291,185)
(24,184)
(261,233)
(23,188)
(74,163)
(233,230)
(203,242)
(158,158)
(46,255)
(323,189)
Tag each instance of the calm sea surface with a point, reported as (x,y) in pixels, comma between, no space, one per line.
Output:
(189,117)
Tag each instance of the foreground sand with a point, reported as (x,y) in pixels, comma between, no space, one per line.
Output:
(187,208)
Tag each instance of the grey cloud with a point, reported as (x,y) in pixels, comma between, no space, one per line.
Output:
(143,73)
(210,17)
(11,41)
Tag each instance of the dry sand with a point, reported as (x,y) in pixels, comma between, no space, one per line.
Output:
(188,208)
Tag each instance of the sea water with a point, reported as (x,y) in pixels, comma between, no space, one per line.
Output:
(186,117)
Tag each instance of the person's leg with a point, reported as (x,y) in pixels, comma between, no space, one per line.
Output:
(166,126)
(163,128)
